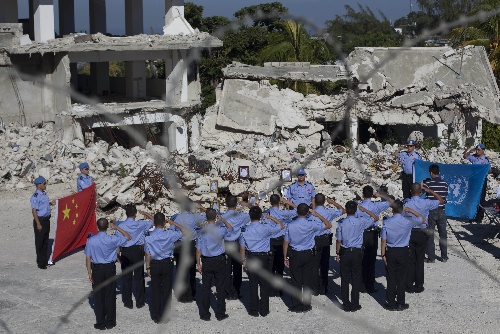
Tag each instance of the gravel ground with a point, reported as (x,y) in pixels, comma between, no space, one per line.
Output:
(461,296)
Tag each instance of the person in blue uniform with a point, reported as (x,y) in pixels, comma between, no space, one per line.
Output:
(132,254)
(159,249)
(349,237)
(395,238)
(477,156)
(190,222)
(298,250)
(301,191)
(84,180)
(211,263)
(284,216)
(407,158)
(323,241)
(40,209)
(418,238)
(100,258)
(231,243)
(255,246)
(370,236)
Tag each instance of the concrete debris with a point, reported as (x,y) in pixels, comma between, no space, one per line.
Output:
(151,176)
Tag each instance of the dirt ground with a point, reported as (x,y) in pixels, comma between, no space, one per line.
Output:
(461,296)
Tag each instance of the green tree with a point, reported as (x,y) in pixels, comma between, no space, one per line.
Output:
(194,15)
(416,22)
(447,10)
(293,43)
(272,14)
(362,28)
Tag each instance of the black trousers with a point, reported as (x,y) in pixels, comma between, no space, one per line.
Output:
(256,281)
(234,270)
(418,244)
(42,241)
(213,268)
(277,264)
(397,266)
(370,246)
(105,298)
(161,287)
(322,263)
(130,256)
(350,268)
(480,211)
(302,272)
(406,181)
(190,277)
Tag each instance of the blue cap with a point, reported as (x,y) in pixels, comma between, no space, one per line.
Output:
(84,165)
(411,142)
(481,146)
(301,172)
(39,180)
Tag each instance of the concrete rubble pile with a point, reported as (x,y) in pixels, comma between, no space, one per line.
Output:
(335,170)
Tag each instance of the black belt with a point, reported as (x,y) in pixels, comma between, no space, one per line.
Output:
(213,257)
(168,259)
(416,229)
(97,265)
(305,250)
(397,247)
(350,249)
(133,246)
(323,236)
(372,229)
(279,238)
(44,218)
(258,253)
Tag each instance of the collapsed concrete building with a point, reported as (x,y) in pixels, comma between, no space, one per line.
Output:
(41,79)
(441,92)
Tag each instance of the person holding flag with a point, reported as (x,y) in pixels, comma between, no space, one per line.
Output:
(100,258)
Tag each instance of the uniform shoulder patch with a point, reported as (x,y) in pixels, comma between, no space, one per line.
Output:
(35,195)
(81,178)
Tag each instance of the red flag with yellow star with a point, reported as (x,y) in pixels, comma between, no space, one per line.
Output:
(75,218)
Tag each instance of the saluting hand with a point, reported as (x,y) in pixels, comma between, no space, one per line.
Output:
(266,215)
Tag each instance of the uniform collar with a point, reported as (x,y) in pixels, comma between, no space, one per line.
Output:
(414,197)
(40,192)
(101,233)
(396,214)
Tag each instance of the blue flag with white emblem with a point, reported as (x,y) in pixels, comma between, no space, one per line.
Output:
(465,183)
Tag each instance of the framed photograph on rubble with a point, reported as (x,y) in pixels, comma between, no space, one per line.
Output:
(243,172)
(214,186)
(215,205)
(286,175)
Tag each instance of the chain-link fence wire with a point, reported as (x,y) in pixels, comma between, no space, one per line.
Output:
(169,170)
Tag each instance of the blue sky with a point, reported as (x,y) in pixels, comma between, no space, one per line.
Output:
(316,11)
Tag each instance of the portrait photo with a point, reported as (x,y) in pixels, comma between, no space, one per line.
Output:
(243,172)
(286,175)
(214,186)
(215,205)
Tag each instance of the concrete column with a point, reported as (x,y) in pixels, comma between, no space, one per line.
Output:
(177,136)
(176,78)
(353,128)
(135,71)
(31,24)
(43,20)
(66,17)
(173,8)
(8,11)
(99,72)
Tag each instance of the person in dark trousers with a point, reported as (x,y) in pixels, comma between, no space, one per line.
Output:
(349,236)
(298,250)
(255,246)
(370,236)
(395,238)
(437,217)
(418,238)
(479,158)
(159,249)
(284,216)
(234,270)
(100,258)
(407,158)
(132,254)
(323,241)
(191,223)
(211,263)
(40,209)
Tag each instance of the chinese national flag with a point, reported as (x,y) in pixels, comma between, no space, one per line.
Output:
(75,217)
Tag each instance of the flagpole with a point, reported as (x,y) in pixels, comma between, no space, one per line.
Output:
(55,229)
